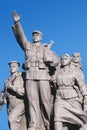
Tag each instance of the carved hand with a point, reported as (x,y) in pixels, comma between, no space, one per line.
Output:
(15,16)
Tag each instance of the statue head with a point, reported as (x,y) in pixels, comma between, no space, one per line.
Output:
(65,59)
(76,57)
(37,36)
(14,66)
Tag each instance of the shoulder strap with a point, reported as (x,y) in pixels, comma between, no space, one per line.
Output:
(34,52)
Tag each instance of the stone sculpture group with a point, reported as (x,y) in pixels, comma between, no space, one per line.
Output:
(51,93)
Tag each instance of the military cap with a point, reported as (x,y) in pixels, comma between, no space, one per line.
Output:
(37,31)
(65,55)
(76,54)
(14,62)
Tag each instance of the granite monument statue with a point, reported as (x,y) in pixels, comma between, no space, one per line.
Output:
(13,95)
(68,106)
(38,62)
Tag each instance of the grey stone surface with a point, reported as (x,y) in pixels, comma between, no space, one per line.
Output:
(38,61)
(68,106)
(13,95)
(51,93)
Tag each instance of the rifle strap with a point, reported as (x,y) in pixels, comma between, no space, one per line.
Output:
(34,52)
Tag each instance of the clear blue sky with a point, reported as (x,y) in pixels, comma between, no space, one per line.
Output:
(64,21)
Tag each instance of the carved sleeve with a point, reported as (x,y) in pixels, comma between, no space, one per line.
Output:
(20,36)
(81,82)
(51,57)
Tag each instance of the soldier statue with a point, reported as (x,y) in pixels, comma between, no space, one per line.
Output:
(13,95)
(38,61)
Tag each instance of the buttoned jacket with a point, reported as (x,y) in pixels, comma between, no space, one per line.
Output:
(15,94)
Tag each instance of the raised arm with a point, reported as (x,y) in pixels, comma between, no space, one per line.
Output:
(18,32)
